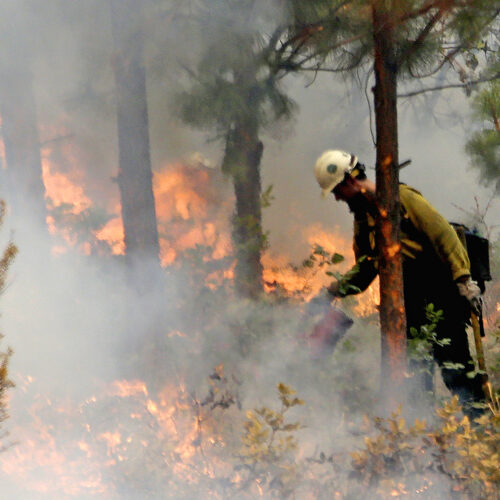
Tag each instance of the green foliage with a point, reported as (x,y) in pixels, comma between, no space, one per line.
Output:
(6,260)
(234,81)
(484,145)
(234,93)
(267,197)
(268,446)
(263,441)
(9,252)
(403,458)
(395,451)
(249,235)
(345,287)
(338,35)
(5,385)
(320,258)
(422,341)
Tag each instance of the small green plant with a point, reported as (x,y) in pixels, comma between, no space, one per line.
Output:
(424,338)
(320,259)
(469,454)
(267,197)
(6,260)
(345,287)
(404,460)
(268,446)
(394,452)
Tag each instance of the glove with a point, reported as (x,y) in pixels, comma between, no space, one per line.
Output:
(471,291)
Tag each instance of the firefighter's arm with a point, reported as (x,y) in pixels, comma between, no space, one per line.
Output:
(440,233)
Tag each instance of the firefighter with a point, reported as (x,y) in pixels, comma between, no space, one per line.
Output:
(436,268)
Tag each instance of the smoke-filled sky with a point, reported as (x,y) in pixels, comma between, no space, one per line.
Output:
(69,322)
(71,63)
(335,114)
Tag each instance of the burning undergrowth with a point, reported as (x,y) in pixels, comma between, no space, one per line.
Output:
(172,426)
(126,443)
(176,431)
(123,442)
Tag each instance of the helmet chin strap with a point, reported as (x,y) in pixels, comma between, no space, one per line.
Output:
(359,168)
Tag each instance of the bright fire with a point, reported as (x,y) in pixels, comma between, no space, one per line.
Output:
(192,210)
(124,434)
(194,207)
(307,282)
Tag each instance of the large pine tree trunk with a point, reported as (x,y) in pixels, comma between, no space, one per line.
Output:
(22,148)
(135,174)
(242,161)
(392,312)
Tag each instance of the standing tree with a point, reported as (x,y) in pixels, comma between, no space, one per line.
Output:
(19,119)
(392,312)
(235,92)
(400,40)
(135,174)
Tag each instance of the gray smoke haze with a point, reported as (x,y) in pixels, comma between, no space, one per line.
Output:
(72,320)
(336,115)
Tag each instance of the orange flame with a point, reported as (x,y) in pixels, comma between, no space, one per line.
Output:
(191,210)
(305,282)
(47,460)
(194,211)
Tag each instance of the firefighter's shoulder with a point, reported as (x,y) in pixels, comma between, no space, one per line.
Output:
(408,191)
(411,197)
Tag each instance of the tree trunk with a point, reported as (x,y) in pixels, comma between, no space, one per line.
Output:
(135,174)
(22,149)
(392,312)
(242,161)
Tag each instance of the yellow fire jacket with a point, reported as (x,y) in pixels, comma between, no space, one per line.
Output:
(423,230)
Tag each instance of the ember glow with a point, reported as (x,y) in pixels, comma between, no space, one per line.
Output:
(307,282)
(194,208)
(122,434)
(192,211)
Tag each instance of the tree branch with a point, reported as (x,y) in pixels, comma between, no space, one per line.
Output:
(496,76)
(422,36)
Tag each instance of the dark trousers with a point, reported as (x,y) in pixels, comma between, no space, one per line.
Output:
(430,282)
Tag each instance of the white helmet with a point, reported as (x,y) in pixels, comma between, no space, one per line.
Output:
(331,168)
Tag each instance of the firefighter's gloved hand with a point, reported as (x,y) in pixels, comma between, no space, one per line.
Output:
(471,291)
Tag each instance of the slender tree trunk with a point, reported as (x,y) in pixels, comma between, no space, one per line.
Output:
(392,312)
(242,161)
(22,148)
(135,173)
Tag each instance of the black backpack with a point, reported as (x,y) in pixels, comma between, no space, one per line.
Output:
(478,251)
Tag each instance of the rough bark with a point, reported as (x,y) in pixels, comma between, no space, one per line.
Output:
(135,173)
(392,313)
(22,147)
(242,161)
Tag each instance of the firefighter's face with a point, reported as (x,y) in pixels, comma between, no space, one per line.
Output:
(346,190)
(353,193)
